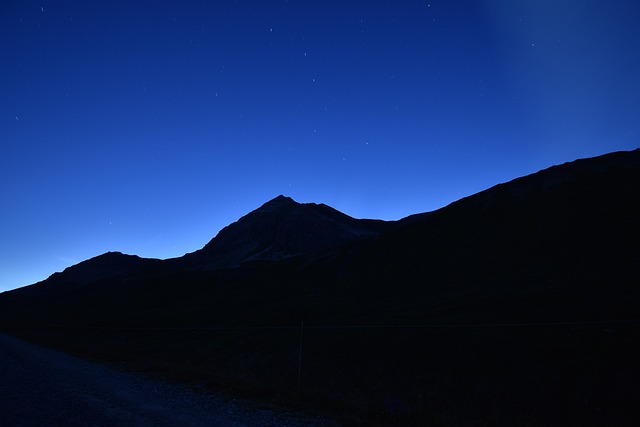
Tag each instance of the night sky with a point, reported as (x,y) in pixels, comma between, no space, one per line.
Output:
(147,126)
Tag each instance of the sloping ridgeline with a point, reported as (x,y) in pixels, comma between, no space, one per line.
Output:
(515,306)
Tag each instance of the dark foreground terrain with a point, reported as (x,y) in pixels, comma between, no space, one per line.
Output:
(517,306)
(519,375)
(41,387)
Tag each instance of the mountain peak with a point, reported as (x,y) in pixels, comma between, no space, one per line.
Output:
(282,228)
(281,199)
(277,203)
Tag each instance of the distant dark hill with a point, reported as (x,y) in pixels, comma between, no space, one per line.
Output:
(101,267)
(558,245)
(109,265)
(514,306)
(282,228)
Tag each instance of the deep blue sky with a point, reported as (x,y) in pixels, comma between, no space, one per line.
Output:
(146,126)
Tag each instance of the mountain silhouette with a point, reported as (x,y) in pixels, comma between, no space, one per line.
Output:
(101,268)
(520,298)
(282,228)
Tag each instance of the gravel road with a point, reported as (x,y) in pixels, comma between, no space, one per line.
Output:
(42,387)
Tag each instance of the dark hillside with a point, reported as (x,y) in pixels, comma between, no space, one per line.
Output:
(559,245)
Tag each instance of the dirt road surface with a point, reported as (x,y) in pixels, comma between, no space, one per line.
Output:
(42,387)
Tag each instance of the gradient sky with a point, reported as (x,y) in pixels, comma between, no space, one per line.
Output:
(147,126)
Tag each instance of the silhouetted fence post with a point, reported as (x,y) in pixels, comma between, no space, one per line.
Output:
(300,354)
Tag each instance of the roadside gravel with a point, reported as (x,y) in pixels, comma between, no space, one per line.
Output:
(42,387)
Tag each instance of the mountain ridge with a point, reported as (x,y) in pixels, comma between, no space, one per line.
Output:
(282,228)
